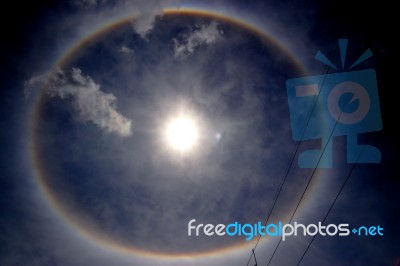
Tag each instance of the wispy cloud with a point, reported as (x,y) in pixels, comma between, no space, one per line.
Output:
(126,50)
(144,23)
(96,12)
(205,34)
(90,103)
(148,11)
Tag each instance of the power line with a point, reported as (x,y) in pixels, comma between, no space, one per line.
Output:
(306,188)
(329,210)
(293,156)
(255,259)
(333,203)
(311,177)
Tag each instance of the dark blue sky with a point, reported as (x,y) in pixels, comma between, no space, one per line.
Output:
(125,187)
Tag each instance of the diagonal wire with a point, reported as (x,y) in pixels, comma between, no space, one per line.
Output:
(255,259)
(309,180)
(333,203)
(306,188)
(330,208)
(293,156)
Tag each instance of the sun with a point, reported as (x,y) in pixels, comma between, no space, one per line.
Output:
(182,134)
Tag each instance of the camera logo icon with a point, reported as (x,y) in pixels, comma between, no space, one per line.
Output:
(338,104)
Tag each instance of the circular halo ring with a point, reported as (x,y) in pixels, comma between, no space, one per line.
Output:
(64,58)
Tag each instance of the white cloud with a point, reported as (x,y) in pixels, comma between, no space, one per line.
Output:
(148,11)
(206,34)
(144,23)
(126,50)
(90,103)
(98,11)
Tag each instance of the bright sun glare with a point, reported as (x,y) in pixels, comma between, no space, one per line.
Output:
(182,134)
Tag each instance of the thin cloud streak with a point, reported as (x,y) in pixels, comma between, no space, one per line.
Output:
(89,102)
(206,34)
